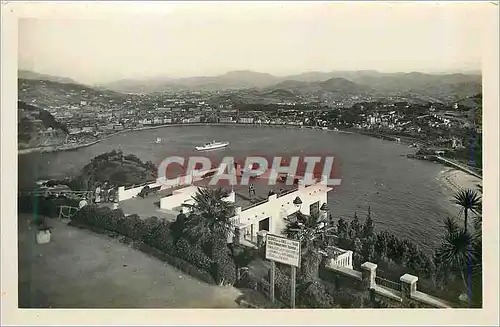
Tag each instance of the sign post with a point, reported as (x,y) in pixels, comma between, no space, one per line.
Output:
(283,250)
(293,283)
(273,267)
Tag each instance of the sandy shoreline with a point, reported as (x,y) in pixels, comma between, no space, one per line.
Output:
(454,180)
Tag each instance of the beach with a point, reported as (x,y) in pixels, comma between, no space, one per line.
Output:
(454,180)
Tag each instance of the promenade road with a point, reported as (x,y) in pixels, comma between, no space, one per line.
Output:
(81,269)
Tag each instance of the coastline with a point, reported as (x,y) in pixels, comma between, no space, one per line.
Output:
(454,179)
(55,148)
(58,148)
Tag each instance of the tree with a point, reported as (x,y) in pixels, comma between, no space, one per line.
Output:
(209,219)
(313,234)
(342,229)
(358,252)
(368,227)
(455,252)
(477,267)
(354,228)
(469,200)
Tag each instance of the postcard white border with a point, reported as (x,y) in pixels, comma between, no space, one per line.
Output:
(11,11)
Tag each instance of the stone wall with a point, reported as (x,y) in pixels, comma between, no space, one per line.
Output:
(401,294)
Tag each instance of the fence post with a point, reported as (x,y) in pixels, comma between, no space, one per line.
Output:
(369,271)
(408,286)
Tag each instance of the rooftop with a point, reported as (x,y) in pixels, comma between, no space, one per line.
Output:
(150,205)
(243,198)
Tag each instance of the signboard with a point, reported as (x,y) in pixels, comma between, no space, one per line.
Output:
(283,250)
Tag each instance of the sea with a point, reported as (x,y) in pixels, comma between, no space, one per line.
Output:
(406,196)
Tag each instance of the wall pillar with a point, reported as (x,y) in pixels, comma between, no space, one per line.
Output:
(369,271)
(121,190)
(408,286)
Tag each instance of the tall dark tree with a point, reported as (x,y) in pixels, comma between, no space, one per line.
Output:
(470,201)
(455,252)
(342,229)
(209,219)
(368,227)
(313,234)
(355,227)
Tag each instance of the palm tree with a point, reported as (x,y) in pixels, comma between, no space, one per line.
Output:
(313,234)
(455,252)
(469,200)
(209,219)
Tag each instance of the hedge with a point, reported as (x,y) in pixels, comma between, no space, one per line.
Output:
(223,267)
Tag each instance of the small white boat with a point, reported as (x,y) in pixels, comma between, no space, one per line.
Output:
(212,146)
(158,140)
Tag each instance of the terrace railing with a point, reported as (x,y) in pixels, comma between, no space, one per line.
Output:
(388,283)
(286,192)
(138,185)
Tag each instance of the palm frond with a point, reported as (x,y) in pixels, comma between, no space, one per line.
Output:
(468,199)
(210,215)
(451,226)
(457,251)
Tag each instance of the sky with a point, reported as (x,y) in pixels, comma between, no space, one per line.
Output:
(194,39)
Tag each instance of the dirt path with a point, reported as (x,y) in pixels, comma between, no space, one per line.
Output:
(80,269)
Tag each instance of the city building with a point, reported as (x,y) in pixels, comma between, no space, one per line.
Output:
(267,213)
(246,120)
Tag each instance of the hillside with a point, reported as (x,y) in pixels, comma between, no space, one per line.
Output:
(37,127)
(44,93)
(115,168)
(473,102)
(334,89)
(27,74)
(444,87)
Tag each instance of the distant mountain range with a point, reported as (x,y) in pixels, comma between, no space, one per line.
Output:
(438,87)
(248,79)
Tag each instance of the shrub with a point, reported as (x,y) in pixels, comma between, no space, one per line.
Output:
(193,254)
(250,281)
(160,237)
(282,288)
(114,217)
(223,267)
(314,295)
(138,227)
(347,298)
(244,255)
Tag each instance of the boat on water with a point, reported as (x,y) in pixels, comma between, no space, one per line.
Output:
(212,146)
(158,140)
